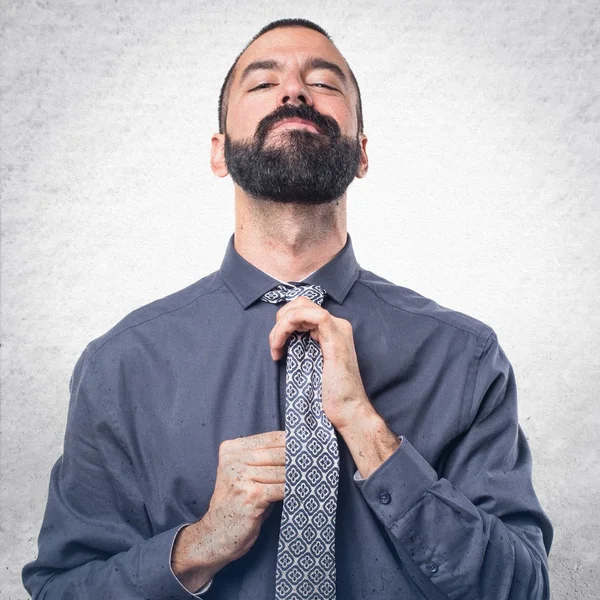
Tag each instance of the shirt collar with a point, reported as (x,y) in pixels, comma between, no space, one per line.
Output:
(248,283)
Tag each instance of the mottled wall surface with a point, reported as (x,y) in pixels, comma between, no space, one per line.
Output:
(483,124)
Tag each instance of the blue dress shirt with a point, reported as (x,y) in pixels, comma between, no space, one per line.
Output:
(450,514)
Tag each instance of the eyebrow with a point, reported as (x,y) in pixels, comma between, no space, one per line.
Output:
(311,64)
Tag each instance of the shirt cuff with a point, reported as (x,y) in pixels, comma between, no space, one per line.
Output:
(204,588)
(154,578)
(397,483)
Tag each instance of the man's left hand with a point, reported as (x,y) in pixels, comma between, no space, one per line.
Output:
(344,397)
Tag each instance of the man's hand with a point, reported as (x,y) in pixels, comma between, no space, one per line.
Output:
(345,401)
(250,477)
(344,397)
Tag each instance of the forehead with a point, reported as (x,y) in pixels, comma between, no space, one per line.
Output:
(290,44)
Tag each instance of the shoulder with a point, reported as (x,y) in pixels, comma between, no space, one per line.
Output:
(151,317)
(410,302)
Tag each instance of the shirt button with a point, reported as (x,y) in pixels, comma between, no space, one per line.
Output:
(431,567)
(385,498)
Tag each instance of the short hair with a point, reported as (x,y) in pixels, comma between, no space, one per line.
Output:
(226,87)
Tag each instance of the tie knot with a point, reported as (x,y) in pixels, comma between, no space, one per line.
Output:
(286,293)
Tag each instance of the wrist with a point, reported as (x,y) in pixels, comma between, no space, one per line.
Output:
(196,558)
(370,442)
(364,417)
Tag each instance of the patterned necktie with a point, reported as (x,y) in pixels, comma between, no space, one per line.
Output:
(306,550)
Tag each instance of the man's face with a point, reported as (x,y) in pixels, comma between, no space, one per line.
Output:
(292,127)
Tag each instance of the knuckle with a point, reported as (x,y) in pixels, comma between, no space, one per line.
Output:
(344,324)
(252,494)
(244,471)
(233,475)
(224,447)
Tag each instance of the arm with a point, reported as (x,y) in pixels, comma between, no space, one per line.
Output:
(96,539)
(474,529)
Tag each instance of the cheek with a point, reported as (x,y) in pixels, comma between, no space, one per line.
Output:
(338,109)
(243,115)
(351,117)
(246,118)
(242,124)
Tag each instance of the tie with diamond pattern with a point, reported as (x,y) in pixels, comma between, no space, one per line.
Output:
(306,550)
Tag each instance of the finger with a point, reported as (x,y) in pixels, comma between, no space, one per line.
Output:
(268,439)
(294,311)
(272,492)
(302,319)
(266,474)
(300,301)
(266,457)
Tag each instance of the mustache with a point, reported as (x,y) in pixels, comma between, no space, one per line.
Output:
(328,125)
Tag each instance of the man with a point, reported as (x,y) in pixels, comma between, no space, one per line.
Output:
(176,460)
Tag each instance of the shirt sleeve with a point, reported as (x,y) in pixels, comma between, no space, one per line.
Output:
(96,540)
(473,526)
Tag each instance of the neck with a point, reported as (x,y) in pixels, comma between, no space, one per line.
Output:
(288,241)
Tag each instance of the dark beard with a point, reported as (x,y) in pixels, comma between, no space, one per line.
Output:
(300,166)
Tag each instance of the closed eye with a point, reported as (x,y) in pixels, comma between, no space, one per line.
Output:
(264,86)
(261,86)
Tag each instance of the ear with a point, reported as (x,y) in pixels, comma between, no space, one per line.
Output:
(363,165)
(217,155)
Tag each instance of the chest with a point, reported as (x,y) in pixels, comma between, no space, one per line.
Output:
(204,389)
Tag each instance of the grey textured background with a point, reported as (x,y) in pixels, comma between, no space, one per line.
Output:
(483,119)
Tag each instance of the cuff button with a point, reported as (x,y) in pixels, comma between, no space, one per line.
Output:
(431,567)
(385,498)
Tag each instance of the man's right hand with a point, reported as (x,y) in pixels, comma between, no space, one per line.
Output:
(250,478)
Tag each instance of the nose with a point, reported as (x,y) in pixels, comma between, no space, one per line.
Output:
(294,91)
